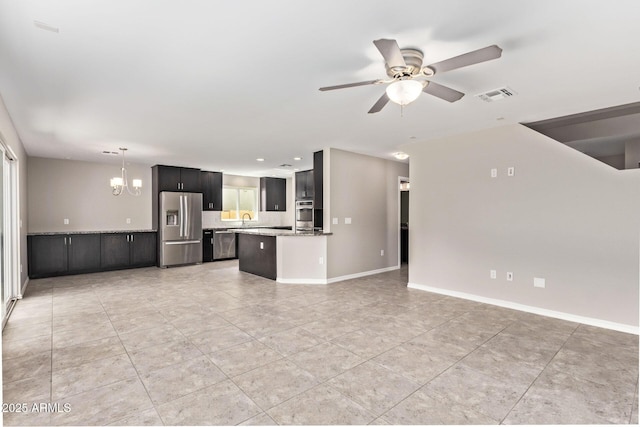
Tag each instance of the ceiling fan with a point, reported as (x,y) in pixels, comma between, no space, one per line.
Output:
(404,68)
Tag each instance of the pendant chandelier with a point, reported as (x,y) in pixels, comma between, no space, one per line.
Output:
(119,183)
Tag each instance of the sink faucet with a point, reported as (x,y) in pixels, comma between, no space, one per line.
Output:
(243,217)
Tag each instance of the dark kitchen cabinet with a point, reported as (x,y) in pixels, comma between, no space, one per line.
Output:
(207,245)
(125,250)
(304,185)
(211,190)
(60,254)
(317,190)
(173,178)
(257,255)
(273,194)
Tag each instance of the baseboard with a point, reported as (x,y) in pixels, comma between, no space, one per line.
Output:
(302,281)
(362,274)
(621,327)
(336,279)
(24,288)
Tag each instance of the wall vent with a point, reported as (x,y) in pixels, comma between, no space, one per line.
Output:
(497,94)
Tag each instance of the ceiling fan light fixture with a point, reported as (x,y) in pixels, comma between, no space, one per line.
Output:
(404,92)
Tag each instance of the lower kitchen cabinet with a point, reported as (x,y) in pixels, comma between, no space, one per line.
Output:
(60,254)
(207,245)
(257,255)
(125,250)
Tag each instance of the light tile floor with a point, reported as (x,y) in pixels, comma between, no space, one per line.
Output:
(209,345)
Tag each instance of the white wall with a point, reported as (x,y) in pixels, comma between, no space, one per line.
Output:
(564,216)
(10,137)
(80,191)
(365,189)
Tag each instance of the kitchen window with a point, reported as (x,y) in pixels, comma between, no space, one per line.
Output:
(239,201)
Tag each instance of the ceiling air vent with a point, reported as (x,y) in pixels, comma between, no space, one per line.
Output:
(496,94)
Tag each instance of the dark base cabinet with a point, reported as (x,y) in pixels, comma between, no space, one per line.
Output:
(207,245)
(126,250)
(257,255)
(63,254)
(54,255)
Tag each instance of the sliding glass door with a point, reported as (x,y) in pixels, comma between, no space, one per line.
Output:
(9,247)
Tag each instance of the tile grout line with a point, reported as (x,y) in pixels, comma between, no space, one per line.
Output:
(131,361)
(538,376)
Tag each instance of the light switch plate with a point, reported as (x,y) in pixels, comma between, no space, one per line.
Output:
(539,282)
(66,221)
(334,221)
(494,173)
(347,220)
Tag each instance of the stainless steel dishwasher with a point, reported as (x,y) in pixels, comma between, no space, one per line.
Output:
(224,244)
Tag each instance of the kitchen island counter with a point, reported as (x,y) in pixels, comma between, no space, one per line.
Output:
(283,255)
(277,232)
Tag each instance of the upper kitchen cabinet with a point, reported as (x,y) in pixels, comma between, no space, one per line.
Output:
(173,178)
(211,190)
(273,194)
(304,185)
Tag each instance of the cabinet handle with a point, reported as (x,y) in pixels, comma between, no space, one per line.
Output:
(69,240)
(212,240)
(65,241)
(132,238)
(127,237)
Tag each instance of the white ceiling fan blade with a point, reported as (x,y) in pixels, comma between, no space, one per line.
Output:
(370,82)
(379,105)
(391,52)
(481,55)
(442,92)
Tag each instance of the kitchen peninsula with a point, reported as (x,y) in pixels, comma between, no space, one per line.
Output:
(283,255)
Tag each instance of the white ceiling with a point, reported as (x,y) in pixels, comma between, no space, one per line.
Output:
(217,84)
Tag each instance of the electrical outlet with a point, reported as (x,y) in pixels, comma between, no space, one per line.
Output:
(321,260)
(128,221)
(66,221)
(347,220)
(493,274)
(539,282)
(494,173)
(381,252)
(509,276)
(335,221)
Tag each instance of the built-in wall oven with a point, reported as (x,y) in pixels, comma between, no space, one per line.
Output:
(304,215)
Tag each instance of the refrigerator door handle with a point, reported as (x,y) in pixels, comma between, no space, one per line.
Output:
(181,217)
(186,216)
(182,242)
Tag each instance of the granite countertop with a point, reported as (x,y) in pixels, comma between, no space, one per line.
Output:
(53,233)
(277,232)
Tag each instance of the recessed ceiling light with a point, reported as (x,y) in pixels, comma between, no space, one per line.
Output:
(297,158)
(260,159)
(400,155)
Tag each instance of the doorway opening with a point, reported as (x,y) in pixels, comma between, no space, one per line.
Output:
(404,220)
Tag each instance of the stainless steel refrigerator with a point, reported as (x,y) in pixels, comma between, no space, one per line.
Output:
(180,228)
